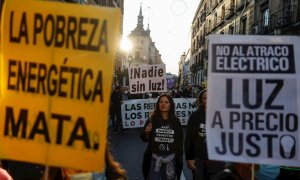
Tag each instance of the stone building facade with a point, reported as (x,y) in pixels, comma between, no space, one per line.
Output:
(277,17)
(143,49)
(216,17)
(243,17)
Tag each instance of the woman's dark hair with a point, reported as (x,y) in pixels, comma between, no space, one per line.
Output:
(157,113)
(199,99)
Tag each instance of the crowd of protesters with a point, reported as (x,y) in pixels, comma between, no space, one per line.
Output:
(120,94)
(159,164)
(163,159)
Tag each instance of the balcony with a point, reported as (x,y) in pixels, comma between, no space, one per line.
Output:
(240,6)
(193,68)
(282,18)
(285,16)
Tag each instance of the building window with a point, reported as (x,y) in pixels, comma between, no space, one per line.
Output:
(216,18)
(231,29)
(266,15)
(232,4)
(223,12)
(243,25)
(137,54)
(287,9)
(209,25)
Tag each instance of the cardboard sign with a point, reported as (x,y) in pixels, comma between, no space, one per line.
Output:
(147,78)
(56,74)
(253,99)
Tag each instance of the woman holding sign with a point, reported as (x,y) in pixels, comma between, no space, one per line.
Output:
(195,144)
(163,158)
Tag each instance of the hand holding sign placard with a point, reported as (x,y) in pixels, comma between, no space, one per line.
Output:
(259,120)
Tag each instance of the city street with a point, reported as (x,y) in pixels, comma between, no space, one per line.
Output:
(128,150)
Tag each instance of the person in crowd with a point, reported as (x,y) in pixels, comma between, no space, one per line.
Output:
(112,111)
(163,158)
(196,146)
(155,95)
(187,92)
(116,99)
(148,95)
(125,95)
(178,93)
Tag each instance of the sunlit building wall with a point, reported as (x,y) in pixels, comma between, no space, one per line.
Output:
(185,75)
(143,49)
(216,17)
(187,72)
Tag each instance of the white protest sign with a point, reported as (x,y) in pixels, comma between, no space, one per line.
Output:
(147,78)
(253,99)
(136,112)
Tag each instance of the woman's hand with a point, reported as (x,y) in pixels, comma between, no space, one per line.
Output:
(191,164)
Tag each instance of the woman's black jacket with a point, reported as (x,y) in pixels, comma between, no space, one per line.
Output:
(179,146)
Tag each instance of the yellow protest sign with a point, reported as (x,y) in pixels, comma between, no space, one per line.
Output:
(56,74)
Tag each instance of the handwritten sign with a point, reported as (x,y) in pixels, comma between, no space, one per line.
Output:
(147,78)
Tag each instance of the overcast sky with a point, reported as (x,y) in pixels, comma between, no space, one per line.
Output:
(170,24)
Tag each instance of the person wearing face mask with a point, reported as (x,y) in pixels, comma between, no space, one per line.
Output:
(163,158)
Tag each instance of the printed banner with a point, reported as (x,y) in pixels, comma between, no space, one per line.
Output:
(253,99)
(56,75)
(147,78)
(136,112)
